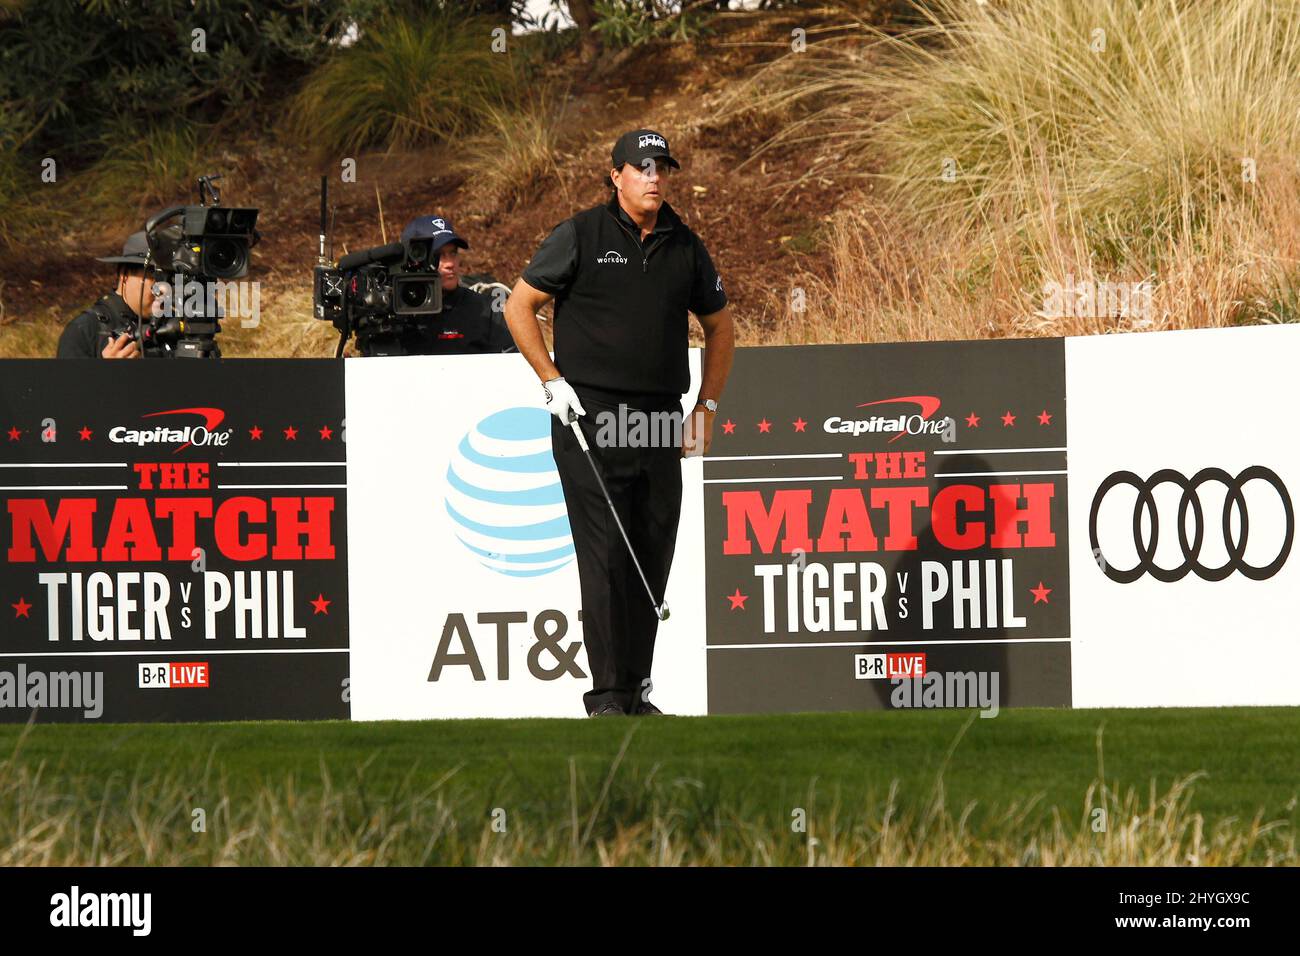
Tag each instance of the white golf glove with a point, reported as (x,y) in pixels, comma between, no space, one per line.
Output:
(562,400)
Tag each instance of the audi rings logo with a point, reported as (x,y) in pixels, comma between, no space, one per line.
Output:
(1234,544)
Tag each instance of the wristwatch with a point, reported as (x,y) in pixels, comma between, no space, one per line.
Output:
(708,403)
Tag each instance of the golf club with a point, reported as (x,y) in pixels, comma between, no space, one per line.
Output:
(661,608)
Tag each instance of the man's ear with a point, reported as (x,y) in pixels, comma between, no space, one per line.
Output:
(614,175)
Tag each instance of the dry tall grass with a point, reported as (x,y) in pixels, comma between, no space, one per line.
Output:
(515,153)
(1023,142)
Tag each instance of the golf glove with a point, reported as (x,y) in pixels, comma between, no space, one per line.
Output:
(562,400)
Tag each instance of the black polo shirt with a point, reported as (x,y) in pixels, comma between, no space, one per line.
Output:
(621,324)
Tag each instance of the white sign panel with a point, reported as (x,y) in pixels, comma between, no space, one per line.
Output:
(1182,468)
(463,590)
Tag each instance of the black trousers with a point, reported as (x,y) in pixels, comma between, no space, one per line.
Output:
(645,483)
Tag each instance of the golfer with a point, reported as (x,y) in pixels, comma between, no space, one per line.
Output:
(623,277)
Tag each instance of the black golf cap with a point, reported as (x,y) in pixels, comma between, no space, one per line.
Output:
(436,228)
(134,251)
(640,145)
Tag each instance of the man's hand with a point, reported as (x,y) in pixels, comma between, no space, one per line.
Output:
(123,347)
(562,401)
(697,432)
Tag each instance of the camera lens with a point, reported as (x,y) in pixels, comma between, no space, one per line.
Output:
(224,258)
(414,295)
(216,220)
(241,220)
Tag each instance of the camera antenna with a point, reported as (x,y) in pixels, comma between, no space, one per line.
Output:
(324,228)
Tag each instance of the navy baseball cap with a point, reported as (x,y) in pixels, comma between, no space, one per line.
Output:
(433,227)
(135,251)
(640,145)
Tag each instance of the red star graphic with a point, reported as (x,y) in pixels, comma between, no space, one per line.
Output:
(290,434)
(765,426)
(1040,594)
(737,600)
(799,424)
(1044,418)
(21,609)
(255,433)
(728,427)
(85,433)
(972,420)
(325,433)
(14,432)
(1008,420)
(320,604)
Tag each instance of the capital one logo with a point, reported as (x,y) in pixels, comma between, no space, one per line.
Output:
(205,435)
(920,422)
(504,497)
(1212,524)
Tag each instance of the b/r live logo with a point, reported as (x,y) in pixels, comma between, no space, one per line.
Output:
(186,674)
(888,666)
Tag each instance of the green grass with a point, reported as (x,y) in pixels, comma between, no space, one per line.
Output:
(404,83)
(876,787)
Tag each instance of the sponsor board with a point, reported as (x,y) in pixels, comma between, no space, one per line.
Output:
(193,521)
(199,547)
(463,587)
(893,499)
(1182,517)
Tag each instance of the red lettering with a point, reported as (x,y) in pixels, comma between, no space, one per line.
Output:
(846,513)
(130,533)
(184,513)
(899,502)
(289,528)
(944,517)
(1036,515)
(789,507)
(71,522)
(227,531)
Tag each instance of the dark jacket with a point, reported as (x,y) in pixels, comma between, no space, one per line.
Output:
(88,334)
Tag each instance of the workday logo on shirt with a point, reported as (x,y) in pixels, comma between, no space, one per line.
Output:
(612,256)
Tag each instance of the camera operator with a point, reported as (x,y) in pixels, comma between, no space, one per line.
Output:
(467,325)
(106,329)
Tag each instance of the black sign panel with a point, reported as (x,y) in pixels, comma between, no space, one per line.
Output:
(173,537)
(868,504)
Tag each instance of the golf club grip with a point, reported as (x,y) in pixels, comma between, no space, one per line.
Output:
(577,430)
